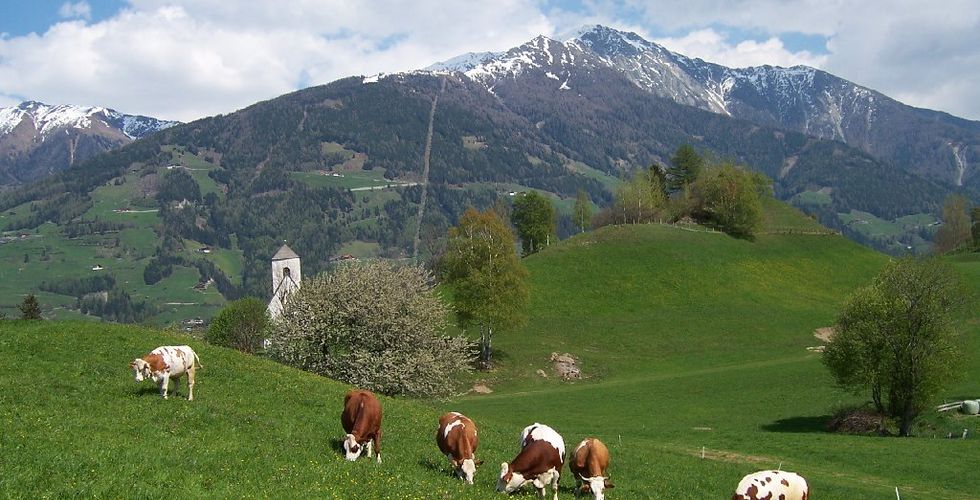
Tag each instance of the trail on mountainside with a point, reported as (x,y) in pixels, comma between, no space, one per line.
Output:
(425,171)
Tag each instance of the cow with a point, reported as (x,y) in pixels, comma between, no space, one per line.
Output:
(772,484)
(541,432)
(165,363)
(457,439)
(538,463)
(588,464)
(361,419)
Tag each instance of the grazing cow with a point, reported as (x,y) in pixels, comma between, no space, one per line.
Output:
(361,419)
(541,432)
(165,363)
(457,440)
(772,484)
(538,463)
(588,464)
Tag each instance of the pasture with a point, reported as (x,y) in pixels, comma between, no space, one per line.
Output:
(693,346)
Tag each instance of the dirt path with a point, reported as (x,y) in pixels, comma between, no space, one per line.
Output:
(425,171)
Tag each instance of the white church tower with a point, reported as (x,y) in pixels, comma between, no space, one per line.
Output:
(286,277)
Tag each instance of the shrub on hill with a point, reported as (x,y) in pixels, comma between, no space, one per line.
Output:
(30,308)
(728,197)
(895,338)
(240,325)
(375,325)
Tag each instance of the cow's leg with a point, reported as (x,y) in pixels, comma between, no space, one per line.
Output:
(554,484)
(190,382)
(377,443)
(370,448)
(164,383)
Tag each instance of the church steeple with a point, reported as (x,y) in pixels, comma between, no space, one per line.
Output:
(286,277)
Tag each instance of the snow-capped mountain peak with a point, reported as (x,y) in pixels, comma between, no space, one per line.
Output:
(47,119)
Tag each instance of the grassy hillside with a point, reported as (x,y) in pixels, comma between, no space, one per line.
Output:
(690,342)
(74,423)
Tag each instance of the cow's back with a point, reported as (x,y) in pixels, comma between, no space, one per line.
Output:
(541,432)
(590,458)
(458,437)
(775,484)
(178,359)
(362,410)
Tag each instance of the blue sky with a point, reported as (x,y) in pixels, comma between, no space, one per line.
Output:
(185,59)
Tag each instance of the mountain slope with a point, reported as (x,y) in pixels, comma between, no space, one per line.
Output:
(801,99)
(37,139)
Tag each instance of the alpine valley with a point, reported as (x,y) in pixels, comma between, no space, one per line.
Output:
(347,168)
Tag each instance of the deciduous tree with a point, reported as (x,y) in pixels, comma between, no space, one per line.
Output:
(727,197)
(534,218)
(895,338)
(240,325)
(372,324)
(488,280)
(955,231)
(582,210)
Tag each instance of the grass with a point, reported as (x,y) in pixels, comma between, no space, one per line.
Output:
(691,343)
(346,180)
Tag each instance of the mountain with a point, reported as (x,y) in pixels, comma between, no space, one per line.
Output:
(38,139)
(802,99)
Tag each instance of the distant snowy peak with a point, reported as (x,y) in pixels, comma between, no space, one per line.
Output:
(465,62)
(47,119)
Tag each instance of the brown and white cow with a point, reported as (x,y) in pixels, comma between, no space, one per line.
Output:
(538,463)
(457,439)
(165,363)
(541,432)
(361,419)
(772,484)
(588,464)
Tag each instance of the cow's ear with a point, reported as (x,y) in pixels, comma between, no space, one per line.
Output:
(478,461)
(607,484)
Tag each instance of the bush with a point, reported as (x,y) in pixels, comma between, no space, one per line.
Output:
(374,325)
(240,325)
(29,308)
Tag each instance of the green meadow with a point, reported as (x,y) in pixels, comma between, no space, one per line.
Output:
(693,347)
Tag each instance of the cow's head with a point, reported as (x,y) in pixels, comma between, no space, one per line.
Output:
(465,469)
(141,369)
(596,486)
(509,481)
(352,449)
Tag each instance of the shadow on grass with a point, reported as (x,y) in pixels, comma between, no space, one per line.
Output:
(337,446)
(814,424)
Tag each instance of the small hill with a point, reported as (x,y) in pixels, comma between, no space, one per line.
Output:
(690,339)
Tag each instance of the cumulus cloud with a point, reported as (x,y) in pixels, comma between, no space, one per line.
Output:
(70,10)
(715,47)
(185,59)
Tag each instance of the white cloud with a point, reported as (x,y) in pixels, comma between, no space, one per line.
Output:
(714,47)
(70,10)
(185,60)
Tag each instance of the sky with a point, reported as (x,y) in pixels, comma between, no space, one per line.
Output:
(187,59)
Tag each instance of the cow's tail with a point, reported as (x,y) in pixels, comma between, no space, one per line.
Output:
(198,361)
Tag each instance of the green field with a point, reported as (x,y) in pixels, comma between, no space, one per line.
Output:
(690,343)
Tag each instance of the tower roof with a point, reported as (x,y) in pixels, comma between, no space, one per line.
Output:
(285,253)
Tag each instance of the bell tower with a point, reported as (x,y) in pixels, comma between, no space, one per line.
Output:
(286,277)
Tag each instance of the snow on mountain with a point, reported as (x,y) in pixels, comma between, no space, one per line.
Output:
(798,98)
(50,118)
